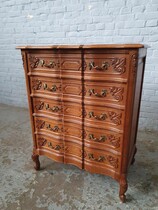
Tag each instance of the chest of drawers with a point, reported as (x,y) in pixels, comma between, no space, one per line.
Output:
(84,105)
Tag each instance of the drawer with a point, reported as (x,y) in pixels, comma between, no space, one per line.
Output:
(72,112)
(104,116)
(47,62)
(98,158)
(105,92)
(72,90)
(106,65)
(102,139)
(45,142)
(73,130)
(51,147)
(71,65)
(71,62)
(48,126)
(45,106)
(73,154)
(46,86)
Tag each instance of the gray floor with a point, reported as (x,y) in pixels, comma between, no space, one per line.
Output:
(66,187)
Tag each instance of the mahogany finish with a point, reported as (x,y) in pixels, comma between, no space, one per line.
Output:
(84,105)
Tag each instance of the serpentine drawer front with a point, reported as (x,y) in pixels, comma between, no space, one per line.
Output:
(84,105)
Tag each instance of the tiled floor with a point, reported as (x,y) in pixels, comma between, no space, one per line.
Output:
(65,187)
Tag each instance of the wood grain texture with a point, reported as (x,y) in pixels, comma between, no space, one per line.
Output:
(84,103)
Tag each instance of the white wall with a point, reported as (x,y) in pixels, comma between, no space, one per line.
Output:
(26,22)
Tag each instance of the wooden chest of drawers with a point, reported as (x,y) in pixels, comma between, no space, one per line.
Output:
(84,104)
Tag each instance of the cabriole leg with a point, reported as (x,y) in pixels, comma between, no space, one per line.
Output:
(35,158)
(123,188)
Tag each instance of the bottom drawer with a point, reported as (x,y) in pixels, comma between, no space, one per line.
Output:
(73,154)
(97,160)
(50,147)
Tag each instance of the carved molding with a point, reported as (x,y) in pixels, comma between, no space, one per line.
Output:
(37,62)
(115,118)
(45,142)
(36,84)
(103,138)
(117,93)
(56,147)
(114,162)
(42,142)
(115,141)
(39,106)
(71,65)
(34,61)
(119,64)
(134,63)
(40,124)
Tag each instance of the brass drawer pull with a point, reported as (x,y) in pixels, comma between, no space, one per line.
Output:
(101,139)
(102,94)
(55,129)
(100,159)
(52,89)
(103,67)
(51,64)
(57,147)
(101,117)
(53,109)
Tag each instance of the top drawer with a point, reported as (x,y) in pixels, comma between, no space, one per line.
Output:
(43,62)
(106,65)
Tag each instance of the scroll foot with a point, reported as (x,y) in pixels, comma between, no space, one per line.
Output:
(35,158)
(123,188)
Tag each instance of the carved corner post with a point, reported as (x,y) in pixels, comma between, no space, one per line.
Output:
(35,158)
(123,188)
(128,141)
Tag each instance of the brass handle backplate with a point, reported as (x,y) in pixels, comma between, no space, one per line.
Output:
(57,147)
(52,89)
(51,64)
(101,139)
(101,117)
(102,94)
(100,159)
(103,67)
(55,129)
(53,109)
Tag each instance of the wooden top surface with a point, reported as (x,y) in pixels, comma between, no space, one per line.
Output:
(96,46)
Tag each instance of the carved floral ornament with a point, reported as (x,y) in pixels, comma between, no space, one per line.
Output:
(113,116)
(134,62)
(42,105)
(113,140)
(113,161)
(38,84)
(116,92)
(45,142)
(118,65)
(40,62)
(40,124)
